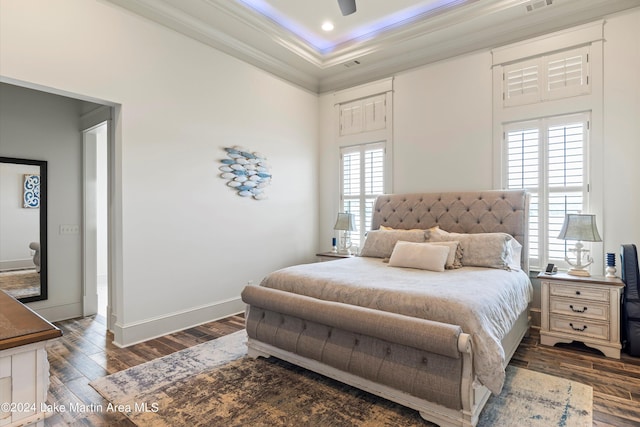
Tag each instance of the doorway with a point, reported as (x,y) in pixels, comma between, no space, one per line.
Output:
(95,223)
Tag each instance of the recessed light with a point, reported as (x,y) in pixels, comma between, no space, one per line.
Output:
(327,26)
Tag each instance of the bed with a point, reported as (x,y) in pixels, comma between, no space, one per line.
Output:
(424,339)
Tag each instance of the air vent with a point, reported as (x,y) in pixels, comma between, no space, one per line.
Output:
(351,63)
(537,4)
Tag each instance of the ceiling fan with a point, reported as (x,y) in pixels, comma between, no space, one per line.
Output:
(347,7)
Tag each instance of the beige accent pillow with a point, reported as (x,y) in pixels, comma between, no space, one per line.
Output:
(423,256)
(492,250)
(454,260)
(380,244)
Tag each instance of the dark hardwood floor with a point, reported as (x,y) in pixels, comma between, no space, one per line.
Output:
(616,383)
(85,352)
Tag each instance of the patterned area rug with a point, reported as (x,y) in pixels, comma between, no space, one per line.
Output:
(21,283)
(215,384)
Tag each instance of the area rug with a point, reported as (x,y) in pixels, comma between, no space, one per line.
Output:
(216,384)
(21,283)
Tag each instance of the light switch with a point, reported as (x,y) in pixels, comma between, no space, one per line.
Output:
(69,229)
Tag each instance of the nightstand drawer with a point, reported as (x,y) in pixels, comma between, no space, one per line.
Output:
(579,308)
(579,327)
(579,292)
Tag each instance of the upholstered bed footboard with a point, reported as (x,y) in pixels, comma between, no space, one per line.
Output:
(420,357)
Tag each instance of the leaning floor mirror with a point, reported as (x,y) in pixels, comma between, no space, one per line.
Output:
(23,227)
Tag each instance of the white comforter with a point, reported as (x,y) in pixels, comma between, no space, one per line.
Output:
(485,302)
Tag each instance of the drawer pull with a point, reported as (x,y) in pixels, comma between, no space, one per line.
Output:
(578,329)
(577,310)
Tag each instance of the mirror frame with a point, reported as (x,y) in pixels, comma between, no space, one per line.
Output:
(44,288)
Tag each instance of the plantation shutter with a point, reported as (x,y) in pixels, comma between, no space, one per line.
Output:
(548,77)
(566,144)
(547,157)
(523,172)
(567,73)
(362,182)
(363,115)
(521,83)
(375,113)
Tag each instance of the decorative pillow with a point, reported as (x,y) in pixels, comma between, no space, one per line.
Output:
(434,233)
(491,250)
(454,260)
(424,256)
(515,260)
(379,244)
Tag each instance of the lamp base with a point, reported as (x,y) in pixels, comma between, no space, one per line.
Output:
(577,272)
(611,272)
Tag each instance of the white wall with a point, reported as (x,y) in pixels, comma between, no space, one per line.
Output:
(18,226)
(622,131)
(187,244)
(41,126)
(443,126)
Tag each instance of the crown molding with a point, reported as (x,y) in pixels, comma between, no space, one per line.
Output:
(441,33)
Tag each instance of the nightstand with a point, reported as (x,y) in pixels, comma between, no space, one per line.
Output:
(331,256)
(585,309)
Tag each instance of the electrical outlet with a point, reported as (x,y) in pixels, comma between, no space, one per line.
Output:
(69,229)
(250,282)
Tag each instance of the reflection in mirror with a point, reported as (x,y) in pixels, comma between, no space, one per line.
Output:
(23,228)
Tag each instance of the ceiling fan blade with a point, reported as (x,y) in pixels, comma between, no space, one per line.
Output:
(347,7)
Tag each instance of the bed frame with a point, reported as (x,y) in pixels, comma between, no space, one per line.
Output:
(421,364)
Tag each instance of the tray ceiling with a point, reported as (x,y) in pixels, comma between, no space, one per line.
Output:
(382,37)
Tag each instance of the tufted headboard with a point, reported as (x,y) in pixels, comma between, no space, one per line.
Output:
(490,211)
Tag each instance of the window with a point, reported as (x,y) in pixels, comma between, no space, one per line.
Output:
(548,158)
(560,75)
(362,180)
(364,137)
(363,115)
(548,94)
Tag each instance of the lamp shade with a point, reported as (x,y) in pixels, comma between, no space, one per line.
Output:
(345,221)
(580,227)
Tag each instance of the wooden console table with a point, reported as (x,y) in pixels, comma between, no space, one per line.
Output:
(24,368)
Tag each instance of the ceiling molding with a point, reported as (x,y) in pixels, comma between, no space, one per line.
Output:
(269,28)
(468,26)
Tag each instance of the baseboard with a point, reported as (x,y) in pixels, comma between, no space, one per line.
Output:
(59,312)
(17,264)
(136,332)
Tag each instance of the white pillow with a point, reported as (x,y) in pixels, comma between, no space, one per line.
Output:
(424,256)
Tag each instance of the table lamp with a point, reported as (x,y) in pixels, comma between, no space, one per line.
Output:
(581,228)
(345,223)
